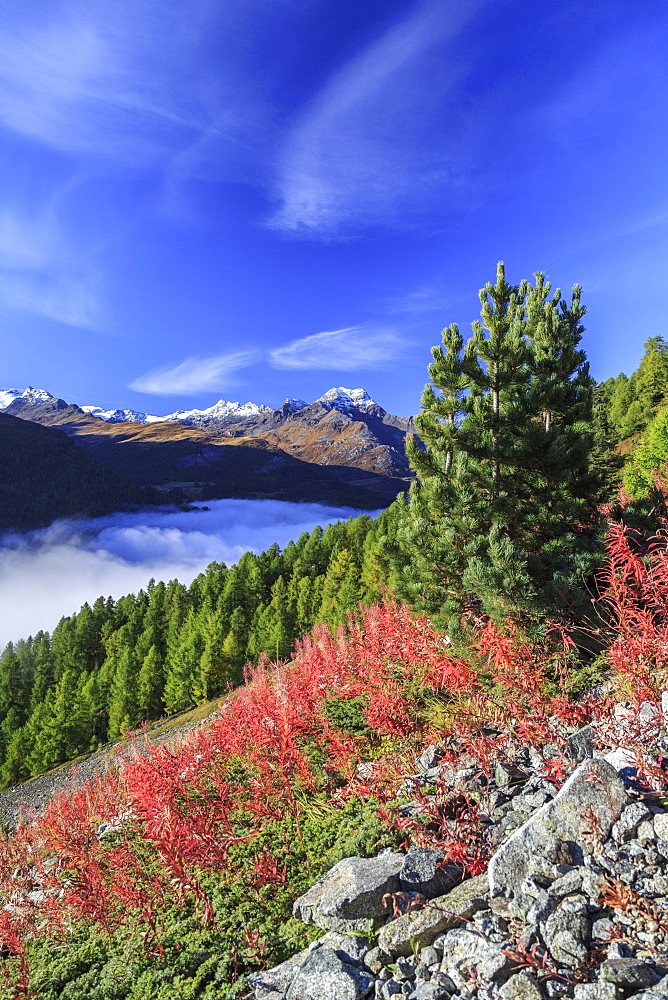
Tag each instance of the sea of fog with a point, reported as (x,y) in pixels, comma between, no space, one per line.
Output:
(51,572)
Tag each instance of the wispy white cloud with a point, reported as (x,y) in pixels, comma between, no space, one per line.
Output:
(378,134)
(83,79)
(40,273)
(62,297)
(195,375)
(354,348)
(425,299)
(134,86)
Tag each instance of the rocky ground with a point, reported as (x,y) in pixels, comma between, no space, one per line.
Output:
(574,901)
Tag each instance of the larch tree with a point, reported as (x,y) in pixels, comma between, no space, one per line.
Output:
(502,519)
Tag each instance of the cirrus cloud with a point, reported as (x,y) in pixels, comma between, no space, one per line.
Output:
(372,143)
(352,348)
(194,375)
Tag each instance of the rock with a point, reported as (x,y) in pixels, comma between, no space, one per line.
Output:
(595,991)
(594,788)
(400,936)
(274,983)
(429,956)
(566,885)
(646,834)
(521,986)
(581,744)
(348,947)
(390,988)
(624,762)
(429,991)
(629,820)
(350,896)
(629,973)
(465,951)
(405,969)
(423,871)
(508,774)
(375,959)
(567,933)
(429,758)
(422,972)
(660,825)
(556,988)
(324,976)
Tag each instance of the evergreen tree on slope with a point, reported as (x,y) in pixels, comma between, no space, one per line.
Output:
(502,519)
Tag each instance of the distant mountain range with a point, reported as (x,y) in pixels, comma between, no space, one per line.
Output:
(222,412)
(343,448)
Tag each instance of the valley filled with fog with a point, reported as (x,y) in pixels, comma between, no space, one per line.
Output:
(51,572)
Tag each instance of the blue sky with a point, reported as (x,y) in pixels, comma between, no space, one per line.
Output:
(265,198)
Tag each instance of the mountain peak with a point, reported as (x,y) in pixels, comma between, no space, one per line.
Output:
(30,394)
(293,405)
(341,398)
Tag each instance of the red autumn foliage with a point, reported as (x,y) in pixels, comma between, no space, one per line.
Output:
(635,579)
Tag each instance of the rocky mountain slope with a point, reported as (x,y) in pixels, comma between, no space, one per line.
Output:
(343,448)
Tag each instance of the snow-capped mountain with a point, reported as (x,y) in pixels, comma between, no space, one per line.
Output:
(224,411)
(294,405)
(121,416)
(346,399)
(344,429)
(30,395)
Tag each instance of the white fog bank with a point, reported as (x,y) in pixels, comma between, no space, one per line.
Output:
(51,572)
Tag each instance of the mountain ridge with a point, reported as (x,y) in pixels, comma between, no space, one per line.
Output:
(338,397)
(328,451)
(343,428)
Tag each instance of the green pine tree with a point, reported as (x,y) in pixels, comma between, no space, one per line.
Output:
(150,685)
(341,592)
(495,522)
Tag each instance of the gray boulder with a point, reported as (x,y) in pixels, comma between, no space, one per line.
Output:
(429,991)
(568,932)
(521,986)
(594,789)
(424,871)
(273,984)
(629,973)
(429,758)
(403,935)
(325,976)
(595,991)
(581,744)
(466,952)
(629,821)
(350,896)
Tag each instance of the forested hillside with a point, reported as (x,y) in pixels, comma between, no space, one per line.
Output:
(111,666)
(632,415)
(44,476)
